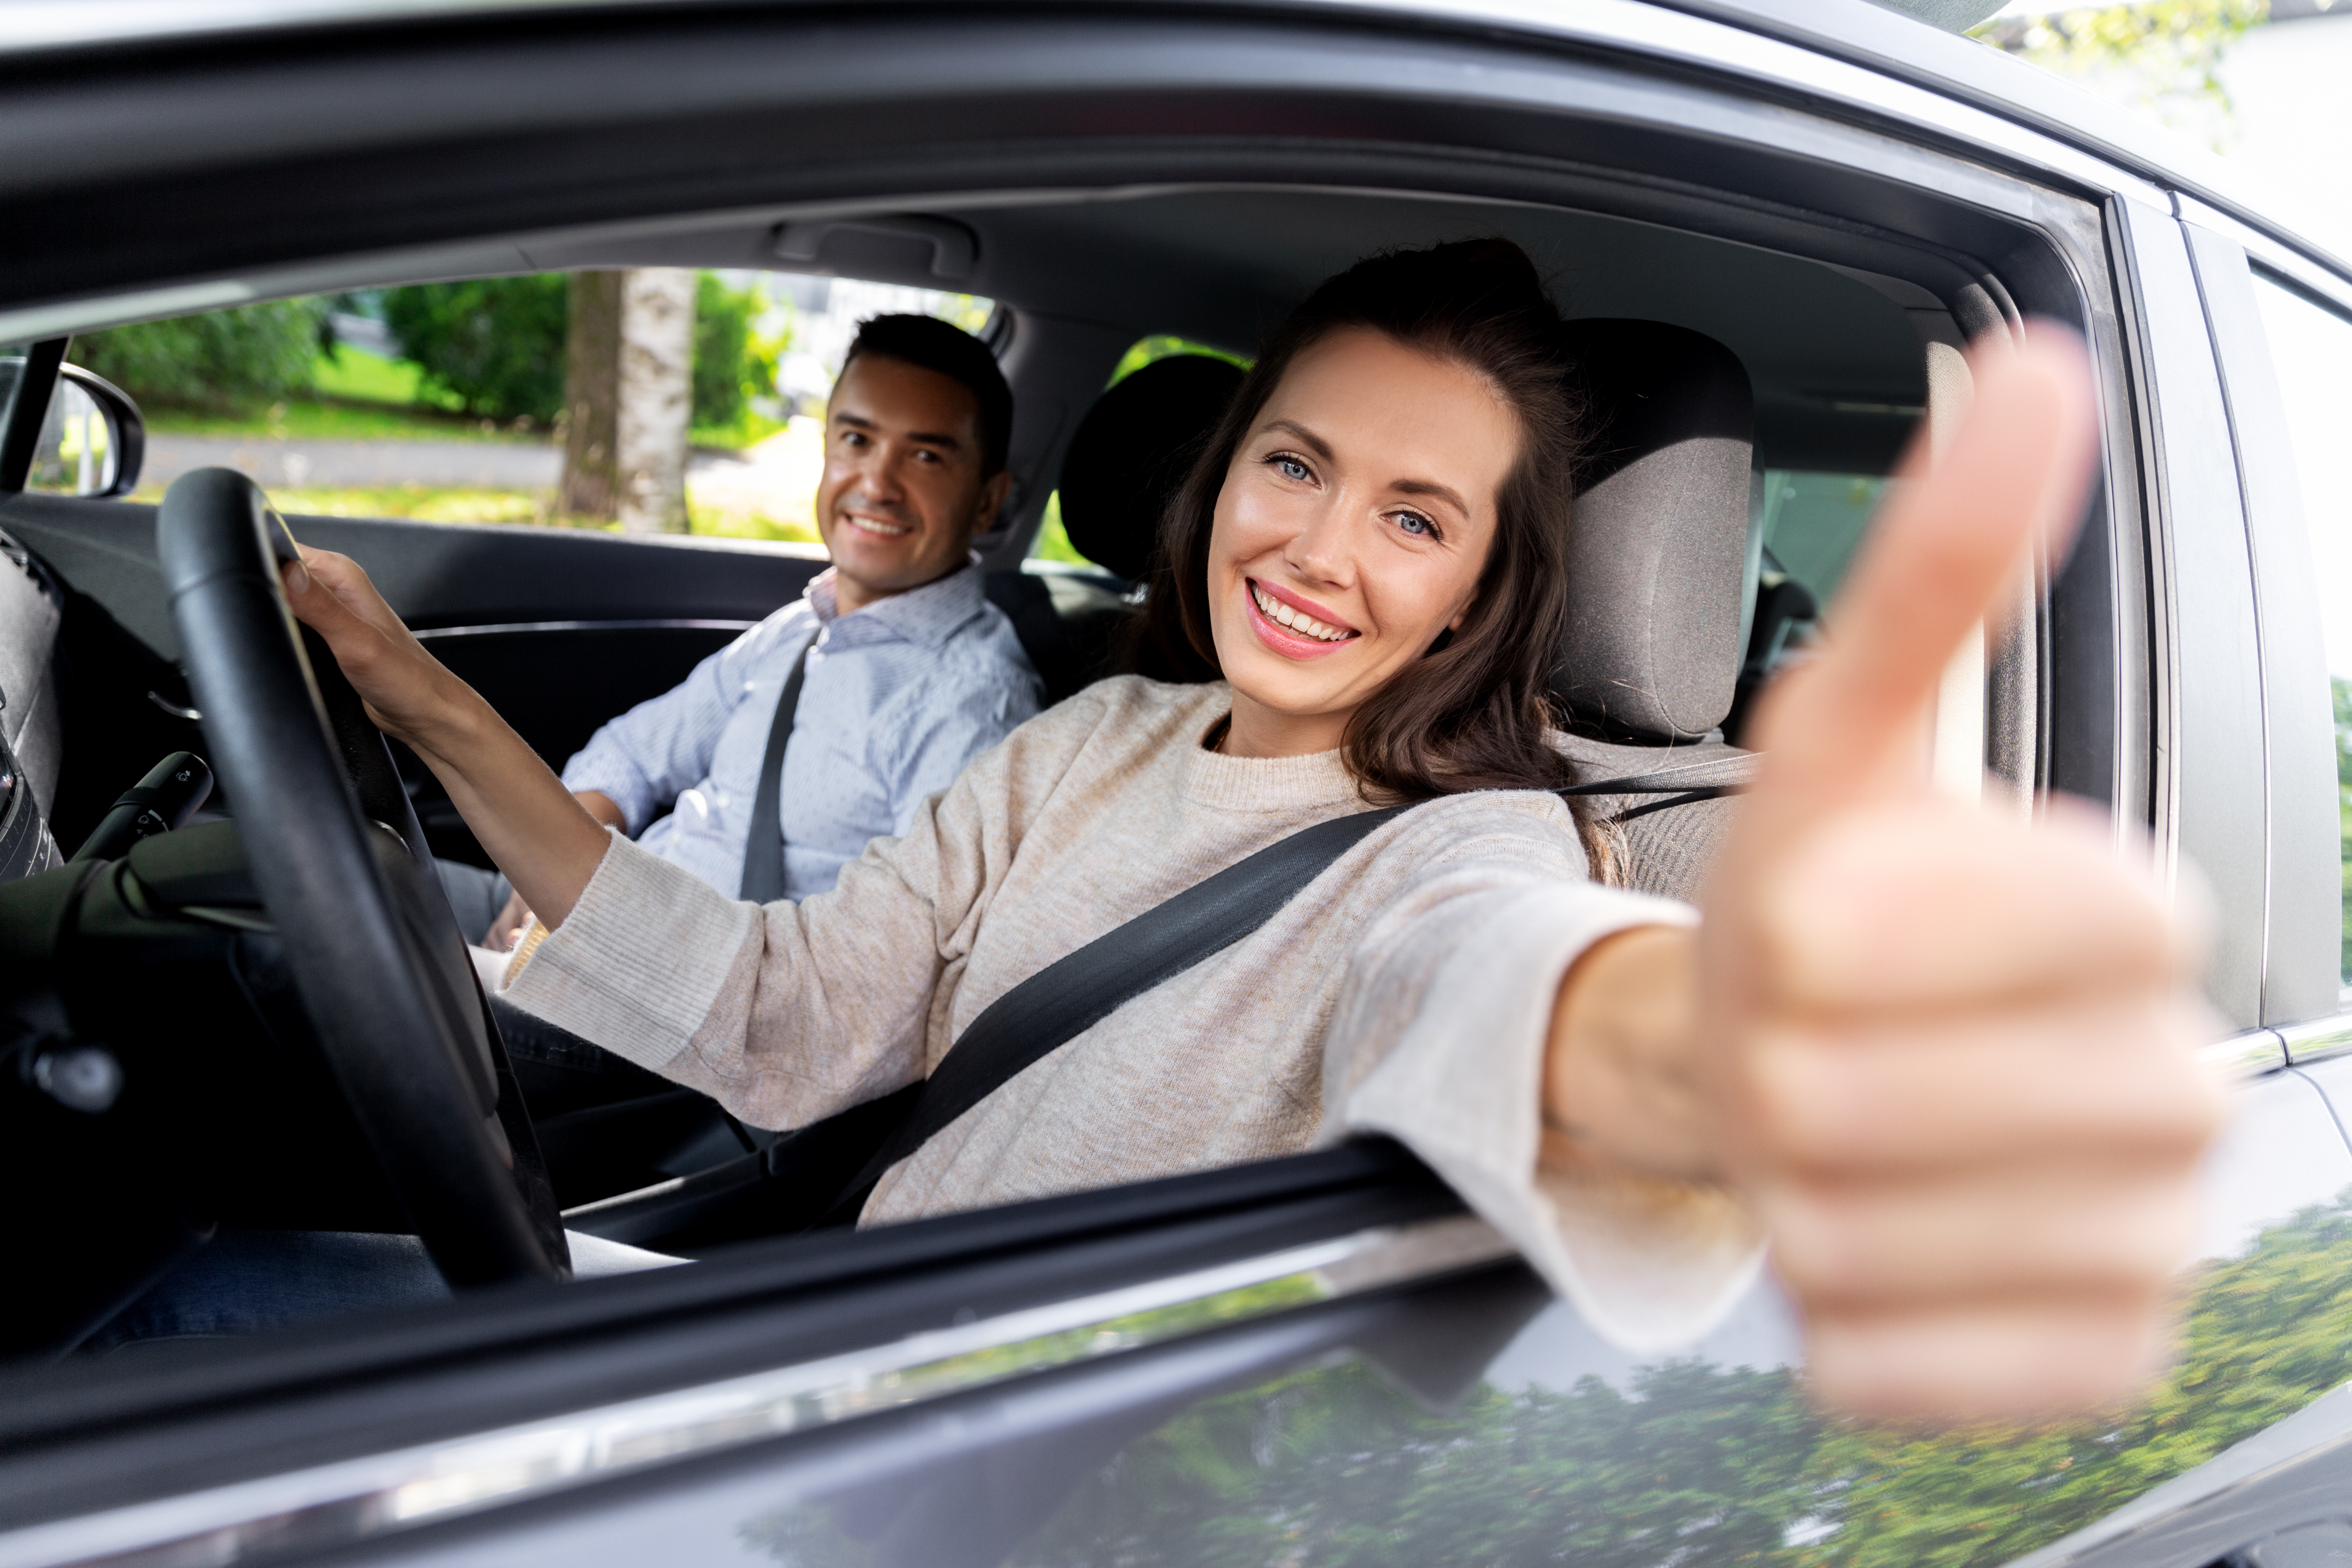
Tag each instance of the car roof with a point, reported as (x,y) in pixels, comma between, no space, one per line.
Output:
(1875,33)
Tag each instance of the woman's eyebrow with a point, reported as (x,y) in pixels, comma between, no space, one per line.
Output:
(1432,489)
(1321,448)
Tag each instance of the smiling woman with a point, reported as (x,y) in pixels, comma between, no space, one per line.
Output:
(1852,1055)
(1391,471)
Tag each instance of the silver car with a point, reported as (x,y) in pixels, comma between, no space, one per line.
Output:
(1322,1360)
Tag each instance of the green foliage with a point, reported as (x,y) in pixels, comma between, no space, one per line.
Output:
(1163,346)
(494,345)
(733,361)
(2158,55)
(1691,1464)
(1052,539)
(221,360)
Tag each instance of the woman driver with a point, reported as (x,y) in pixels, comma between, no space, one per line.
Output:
(1940,1060)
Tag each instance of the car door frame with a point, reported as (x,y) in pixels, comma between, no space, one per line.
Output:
(628,1316)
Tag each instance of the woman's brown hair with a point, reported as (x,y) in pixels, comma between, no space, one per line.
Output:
(1474,713)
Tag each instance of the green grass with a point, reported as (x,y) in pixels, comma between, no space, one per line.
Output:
(357,395)
(362,375)
(306,419)
(748,429)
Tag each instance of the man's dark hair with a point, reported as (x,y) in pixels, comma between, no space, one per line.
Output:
(933,344)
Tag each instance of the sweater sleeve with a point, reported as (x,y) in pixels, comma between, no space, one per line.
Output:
(784,1013)
(1438,1041)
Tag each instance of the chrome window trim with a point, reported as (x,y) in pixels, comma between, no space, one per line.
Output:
(2317,1040)
(368,1498)
(1679,37)
(503,629)
(1880,133)
(2249,1054)
(2266,252)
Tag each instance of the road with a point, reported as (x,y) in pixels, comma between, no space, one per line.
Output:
(776,479)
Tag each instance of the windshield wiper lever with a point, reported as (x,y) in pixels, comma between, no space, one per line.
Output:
(172,793)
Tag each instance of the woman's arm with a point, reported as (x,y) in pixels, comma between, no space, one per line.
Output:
(1943,1054)
(541,837)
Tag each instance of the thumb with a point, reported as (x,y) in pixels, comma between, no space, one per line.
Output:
(1847,728)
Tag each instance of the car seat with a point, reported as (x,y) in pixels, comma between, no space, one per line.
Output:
(31,615)
(1658,580)
(1658,559)
(1126,461)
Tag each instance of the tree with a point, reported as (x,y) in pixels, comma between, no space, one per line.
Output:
(221,360)
(497,345)
(591,399)
(2160,57)
(733,361)
(657,378)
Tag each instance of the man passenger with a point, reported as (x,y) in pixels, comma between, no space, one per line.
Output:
(904,670)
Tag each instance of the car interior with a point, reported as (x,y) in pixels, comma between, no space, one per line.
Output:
(1745,405)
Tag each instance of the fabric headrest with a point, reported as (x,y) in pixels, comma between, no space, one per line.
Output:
(1133,451)
(1658,541)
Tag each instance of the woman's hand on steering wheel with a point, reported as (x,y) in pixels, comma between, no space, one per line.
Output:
(1945,1054)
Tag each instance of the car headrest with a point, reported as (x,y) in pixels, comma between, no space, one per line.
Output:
(1658,544)
(1131,452)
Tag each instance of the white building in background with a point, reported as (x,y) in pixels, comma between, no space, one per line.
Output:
(825,313)
(2288,123)
(2290,85)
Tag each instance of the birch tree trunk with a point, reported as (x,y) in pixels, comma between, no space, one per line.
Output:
(657,382)
(592,398)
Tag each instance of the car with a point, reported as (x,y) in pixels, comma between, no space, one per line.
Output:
(1315,1359)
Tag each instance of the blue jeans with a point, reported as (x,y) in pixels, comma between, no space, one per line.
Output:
(244,1281)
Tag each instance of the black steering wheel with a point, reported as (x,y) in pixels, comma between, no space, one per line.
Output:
(334,850)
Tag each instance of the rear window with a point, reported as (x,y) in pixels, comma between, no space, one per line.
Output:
(1814,521)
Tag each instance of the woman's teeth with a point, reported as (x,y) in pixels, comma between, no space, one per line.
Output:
(1305,624)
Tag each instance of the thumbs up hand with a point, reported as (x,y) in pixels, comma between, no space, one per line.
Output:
(1945,1057)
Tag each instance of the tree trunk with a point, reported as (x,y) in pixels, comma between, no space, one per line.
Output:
(591,399)
(656,396)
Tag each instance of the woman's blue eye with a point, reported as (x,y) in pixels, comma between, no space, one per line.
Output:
(1414,523)
(1292,469)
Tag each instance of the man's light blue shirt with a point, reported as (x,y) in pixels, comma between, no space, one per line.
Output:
(897,698)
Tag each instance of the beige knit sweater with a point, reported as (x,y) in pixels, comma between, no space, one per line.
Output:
(1406,990)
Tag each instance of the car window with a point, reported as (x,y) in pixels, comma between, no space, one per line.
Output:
(2311,345)
(1812,521)
(463,402)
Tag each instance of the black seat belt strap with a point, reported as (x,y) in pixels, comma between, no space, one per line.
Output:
(1069,997)
(1072,995)
(764,849)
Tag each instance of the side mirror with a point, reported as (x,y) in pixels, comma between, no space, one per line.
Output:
(93,439)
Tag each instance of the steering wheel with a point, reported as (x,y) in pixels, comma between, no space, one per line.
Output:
(334,850)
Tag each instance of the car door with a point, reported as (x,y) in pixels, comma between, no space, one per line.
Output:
(559,628)
(1322,1360)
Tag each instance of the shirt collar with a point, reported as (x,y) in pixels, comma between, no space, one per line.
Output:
(927,616)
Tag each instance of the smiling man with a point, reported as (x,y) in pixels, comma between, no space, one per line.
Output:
(827,723)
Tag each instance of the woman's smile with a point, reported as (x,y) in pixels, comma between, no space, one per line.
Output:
(1292,626)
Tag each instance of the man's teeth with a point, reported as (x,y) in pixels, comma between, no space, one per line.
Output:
(875,525)
(1275,610)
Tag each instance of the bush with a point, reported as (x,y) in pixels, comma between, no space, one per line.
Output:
(734,363)
(496,344)
(222,360)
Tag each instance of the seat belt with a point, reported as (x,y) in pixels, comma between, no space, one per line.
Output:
(1073,993)
(763,847)
(845,1155)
